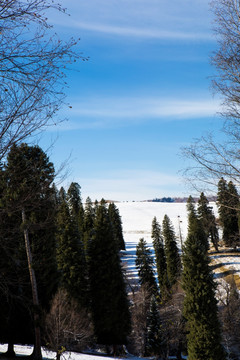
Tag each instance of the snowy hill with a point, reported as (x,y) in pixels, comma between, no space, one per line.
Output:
(137,223)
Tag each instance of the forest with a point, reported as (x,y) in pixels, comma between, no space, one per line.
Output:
(64,286)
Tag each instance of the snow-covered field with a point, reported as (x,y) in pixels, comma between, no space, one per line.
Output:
(137,220)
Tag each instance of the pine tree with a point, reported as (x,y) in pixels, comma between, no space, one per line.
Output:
(70,257)
(144,264)
(109,303)
(89,216)
(228,205)
(200,305)
(28,194)
(75,204)
(171,251)
(154,338)
(193,219)
(117,225)
(161,263)
(208,220)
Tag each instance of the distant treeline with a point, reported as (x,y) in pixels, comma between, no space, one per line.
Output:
(180,199)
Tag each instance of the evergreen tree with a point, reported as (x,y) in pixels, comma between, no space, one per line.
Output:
(228,205)
(144,264)
(161,263)
(62,197)
(171,251)
(117,225)
(208,220)
(75,204)
(154,338)
(28,195)
(70,256)
(200,305)
(89,216)
(194,219)
(109,303)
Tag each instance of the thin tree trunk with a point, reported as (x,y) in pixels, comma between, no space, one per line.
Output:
(10,351)
(37,354)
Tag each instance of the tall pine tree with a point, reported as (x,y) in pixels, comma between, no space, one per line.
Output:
(117,225)
(200,305)
(144,264)
(29,195)
(70,256)
(154,336)
(75,205)
(228,208)
(109,303)
(208,220)
(161,263)
(171,250)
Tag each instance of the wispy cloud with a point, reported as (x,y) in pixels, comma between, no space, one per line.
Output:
(152,33)
(114,111)
(150,19)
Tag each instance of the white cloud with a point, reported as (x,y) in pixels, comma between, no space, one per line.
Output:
(152,33)
(140,18)
(103,112)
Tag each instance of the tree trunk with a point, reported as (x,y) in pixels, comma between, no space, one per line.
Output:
(37,354)
(10,351)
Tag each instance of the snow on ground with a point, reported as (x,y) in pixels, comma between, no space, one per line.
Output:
(27,350)
(137,223)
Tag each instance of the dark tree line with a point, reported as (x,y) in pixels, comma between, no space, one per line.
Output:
(49,241)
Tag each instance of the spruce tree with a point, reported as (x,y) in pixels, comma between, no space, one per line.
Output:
(75,205)
(208,220)
(161,263)
(89,216)
(171,251)
(117,225)
(109,303)
(144,264)
(28,195)
(200,305)
(70,256)
(194,219)
(228,205)
(154,338)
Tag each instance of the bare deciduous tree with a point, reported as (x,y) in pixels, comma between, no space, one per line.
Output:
(67,325)
(213,158)
(32,63)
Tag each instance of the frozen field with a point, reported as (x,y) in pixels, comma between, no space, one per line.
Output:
(137,220)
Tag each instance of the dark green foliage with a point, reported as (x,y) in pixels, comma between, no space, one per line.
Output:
(89,216)
(144,264)
(109,303)
(62,196)
(208,220)
(70,256)
(154,338)
(161,263)
(200,305)
(117,225)
(75,205)
(171,251)
(26,184)
(228,208)
(195,225)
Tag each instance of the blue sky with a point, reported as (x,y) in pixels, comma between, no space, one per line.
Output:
(143,95)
